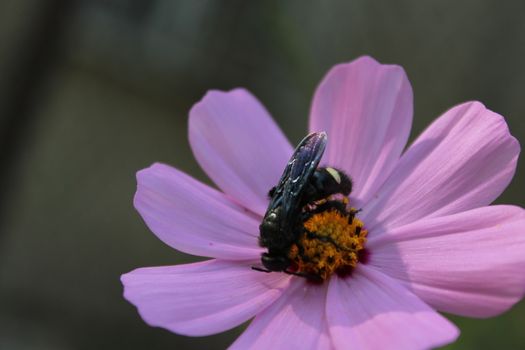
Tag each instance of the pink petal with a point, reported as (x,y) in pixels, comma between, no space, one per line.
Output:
(366,109)
(295,321)
(470,264)
(202,298)
(238,145)
(371,311)
(464,160)
(193,217)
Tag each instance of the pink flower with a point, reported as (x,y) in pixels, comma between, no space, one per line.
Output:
(434,242)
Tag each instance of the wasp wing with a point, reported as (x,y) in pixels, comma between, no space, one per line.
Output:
(306,159)
(296,175)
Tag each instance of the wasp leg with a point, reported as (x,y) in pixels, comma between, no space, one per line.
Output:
(308,276)
(301,251)
(325,239)
(353,212)
(261,269)
(336,205)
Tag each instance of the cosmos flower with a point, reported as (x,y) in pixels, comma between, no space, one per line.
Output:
(433,242)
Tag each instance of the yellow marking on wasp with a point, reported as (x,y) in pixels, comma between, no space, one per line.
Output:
(333,246)
(335,174)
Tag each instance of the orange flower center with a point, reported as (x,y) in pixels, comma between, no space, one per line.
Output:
(332,243)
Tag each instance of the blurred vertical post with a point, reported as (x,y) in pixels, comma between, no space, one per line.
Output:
(28,53)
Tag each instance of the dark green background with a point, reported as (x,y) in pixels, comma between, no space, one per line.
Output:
(92,91)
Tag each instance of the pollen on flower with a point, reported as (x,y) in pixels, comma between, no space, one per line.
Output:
(331,243)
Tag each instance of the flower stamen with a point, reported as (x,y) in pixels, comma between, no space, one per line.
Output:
(332,241)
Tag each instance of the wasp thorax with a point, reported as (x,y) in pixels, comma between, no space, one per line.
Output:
(332,241)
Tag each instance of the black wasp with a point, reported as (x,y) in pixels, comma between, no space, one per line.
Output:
(302,184)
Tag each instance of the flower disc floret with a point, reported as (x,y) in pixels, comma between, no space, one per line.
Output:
(331,243)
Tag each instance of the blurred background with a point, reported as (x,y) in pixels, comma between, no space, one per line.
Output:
(92,91)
